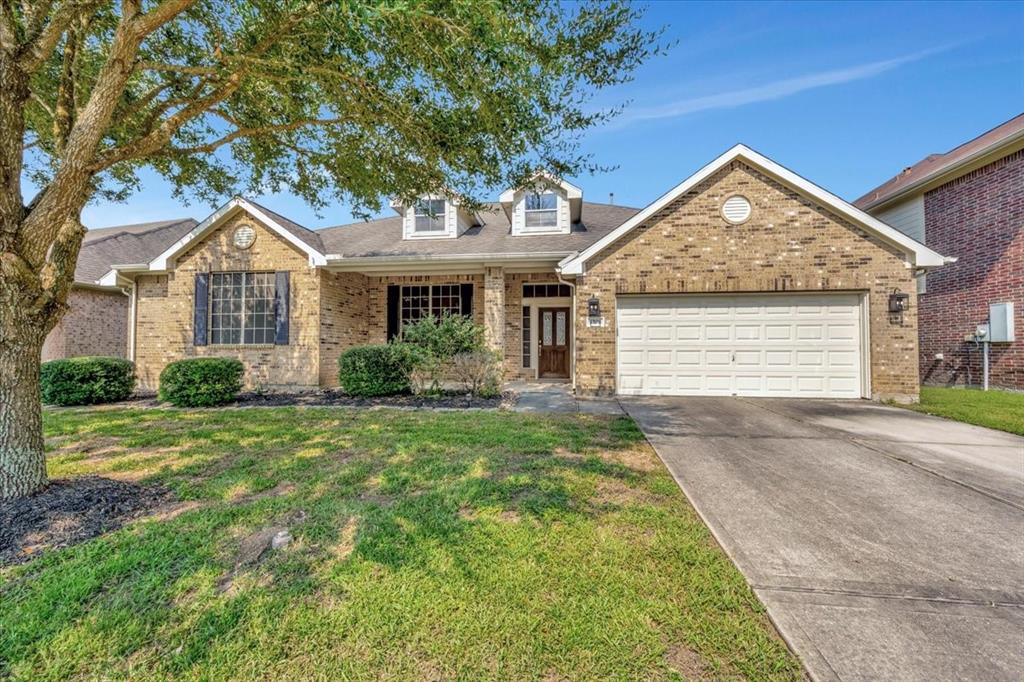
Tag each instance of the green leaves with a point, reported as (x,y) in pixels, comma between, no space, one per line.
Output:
(354,100)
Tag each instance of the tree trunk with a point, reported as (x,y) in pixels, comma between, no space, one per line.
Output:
(22,462)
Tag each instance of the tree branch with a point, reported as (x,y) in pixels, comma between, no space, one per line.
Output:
(248,132)
(41,43)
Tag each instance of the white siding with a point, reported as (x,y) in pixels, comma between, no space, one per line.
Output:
(519,214)
(908,218)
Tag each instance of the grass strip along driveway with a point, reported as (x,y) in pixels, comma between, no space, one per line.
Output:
(422,546)
(995,409)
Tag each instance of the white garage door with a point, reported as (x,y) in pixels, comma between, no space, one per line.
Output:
(749,345)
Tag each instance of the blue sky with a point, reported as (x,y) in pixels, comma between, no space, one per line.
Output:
(845,94)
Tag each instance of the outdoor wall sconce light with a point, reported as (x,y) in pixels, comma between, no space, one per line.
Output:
(593,307)
(898,301)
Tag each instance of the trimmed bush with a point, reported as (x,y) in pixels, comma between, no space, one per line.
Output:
(86,381)
(201,382)
(447,337)
(382,369)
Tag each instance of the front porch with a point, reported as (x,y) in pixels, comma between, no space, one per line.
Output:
(527,315)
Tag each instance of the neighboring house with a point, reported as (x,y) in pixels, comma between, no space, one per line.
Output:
(967,203)
(743,280)
(96,322)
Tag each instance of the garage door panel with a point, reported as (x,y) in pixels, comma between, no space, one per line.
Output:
(758,345)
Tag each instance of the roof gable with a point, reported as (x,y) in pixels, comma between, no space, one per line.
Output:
(301,238)
(919,254)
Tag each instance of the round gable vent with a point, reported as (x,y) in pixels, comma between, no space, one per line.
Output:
(736,209)
(244,236)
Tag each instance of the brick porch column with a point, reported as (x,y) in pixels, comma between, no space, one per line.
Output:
(494,308)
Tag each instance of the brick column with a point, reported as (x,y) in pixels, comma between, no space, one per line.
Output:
(494,308)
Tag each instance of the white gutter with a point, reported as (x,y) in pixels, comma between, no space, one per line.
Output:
(334,259)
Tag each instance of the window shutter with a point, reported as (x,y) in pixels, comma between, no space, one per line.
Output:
(393,292)
(199,308)
(466,296)
(281,308)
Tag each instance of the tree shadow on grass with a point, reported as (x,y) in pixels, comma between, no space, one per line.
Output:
(378,491)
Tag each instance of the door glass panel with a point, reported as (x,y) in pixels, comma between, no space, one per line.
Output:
(547,328)
(560,329)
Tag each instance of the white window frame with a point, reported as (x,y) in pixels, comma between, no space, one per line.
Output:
(527,211)
(246,275)
(424,208)
(456,295)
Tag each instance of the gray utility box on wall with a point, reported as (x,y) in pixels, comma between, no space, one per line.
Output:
(1000,323)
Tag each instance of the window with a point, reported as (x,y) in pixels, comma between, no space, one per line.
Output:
(242,308)
(546,290)
(430,300)
(526,337)
(429,215)
(541,209)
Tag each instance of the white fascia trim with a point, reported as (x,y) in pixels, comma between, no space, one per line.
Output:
(923,257)
(162,262)
(336,259)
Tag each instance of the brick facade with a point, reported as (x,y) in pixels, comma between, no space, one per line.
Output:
(96,323)
(165,311)
(979,218)
(788,244)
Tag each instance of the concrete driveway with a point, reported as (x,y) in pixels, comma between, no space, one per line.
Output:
(885,544)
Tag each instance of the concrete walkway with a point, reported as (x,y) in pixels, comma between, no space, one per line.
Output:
(556,396)
(886,544)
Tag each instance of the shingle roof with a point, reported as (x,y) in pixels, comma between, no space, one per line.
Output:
(306,235)
(935,165)
(383,237)
(140,243)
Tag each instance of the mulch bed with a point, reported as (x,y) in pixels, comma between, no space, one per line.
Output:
(335,398)
(71,511)
(451,401)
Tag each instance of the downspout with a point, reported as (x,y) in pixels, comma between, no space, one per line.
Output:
(132,303)
(558,274)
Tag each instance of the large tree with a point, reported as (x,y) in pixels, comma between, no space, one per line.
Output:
(332,100)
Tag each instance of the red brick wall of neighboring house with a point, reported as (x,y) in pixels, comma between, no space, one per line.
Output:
(978,218)
(96,323)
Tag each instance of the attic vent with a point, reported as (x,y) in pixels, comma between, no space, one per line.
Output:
(736,209)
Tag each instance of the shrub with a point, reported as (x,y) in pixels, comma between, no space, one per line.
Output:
(446,337)
(86,381)
(201,382)
(381,369)
(478,372)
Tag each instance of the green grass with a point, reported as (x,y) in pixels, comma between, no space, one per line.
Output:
(1001,410)
(433,546)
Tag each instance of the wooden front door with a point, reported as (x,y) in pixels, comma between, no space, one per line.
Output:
(553,343)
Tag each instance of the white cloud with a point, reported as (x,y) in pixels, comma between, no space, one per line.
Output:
(769,91)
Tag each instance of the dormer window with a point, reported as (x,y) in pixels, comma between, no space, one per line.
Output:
(541,209)
(544,204)
(429,216)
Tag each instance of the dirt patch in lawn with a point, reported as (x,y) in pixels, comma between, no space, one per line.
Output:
(71,511)
(686,662)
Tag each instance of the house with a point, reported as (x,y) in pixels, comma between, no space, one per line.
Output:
(968,203)
(96,322)
(745,279)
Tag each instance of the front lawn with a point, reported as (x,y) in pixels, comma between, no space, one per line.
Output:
(424,546)
(1001,410)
